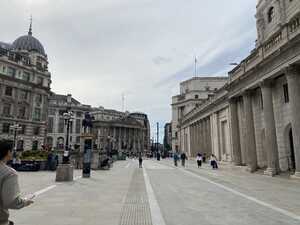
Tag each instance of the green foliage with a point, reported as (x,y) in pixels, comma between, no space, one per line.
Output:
(34,155)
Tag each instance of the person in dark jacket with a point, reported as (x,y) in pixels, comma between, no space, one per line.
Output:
(183,158)
(140,161)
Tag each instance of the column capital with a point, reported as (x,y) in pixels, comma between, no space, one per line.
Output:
(247,93)
(267,83)
(292,70)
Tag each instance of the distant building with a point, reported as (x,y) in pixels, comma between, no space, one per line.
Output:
(193,92)
(24,91)
(56,129)
(122,132)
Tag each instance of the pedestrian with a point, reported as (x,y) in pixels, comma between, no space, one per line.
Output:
(140,162)
(9,186)
(213,162)
(183,158)
(204,158)
(199,160)
(175,156)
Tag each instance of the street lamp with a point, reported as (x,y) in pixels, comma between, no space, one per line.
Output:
(68,117)
(15,128)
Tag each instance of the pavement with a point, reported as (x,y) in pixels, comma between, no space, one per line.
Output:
(161,194)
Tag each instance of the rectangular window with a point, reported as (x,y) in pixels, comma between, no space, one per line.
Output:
(50,124)
(61,125)
(6,109)
(5,128)
(39,80)
(286,93)
(11,71)
(23,130)
(26,76)
(23,95)
(78,139)
(36,131)
(22,112)
(37,114)
(78,126)
(8,91)
(39,99)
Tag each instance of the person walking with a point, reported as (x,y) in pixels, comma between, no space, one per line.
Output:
(9,186)
(183,158)
(199,160)
(204,158)
(175,156)
(140,161)
(213,162)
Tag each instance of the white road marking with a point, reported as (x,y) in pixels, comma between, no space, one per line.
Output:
(44,190)
(268,205)
(156,214)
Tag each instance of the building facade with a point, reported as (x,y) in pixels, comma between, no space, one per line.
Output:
(24,91)
(193,92)
(168,136)
(262,100)
(123,132)
(56,127)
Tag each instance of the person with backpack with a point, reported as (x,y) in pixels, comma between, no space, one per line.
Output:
(199,160)
(10,190)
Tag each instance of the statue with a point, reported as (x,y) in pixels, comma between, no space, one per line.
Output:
(87,121)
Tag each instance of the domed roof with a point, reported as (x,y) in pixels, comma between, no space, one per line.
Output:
(29,43)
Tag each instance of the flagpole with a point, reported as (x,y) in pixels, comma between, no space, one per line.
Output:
(195,66)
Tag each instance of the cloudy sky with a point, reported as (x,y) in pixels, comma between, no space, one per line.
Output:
(99,49)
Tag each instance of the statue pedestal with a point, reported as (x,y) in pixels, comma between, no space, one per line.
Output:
(64,173)
(87,148)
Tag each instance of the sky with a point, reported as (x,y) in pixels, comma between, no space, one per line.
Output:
(101,49)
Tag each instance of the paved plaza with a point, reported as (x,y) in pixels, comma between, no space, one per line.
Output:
(160,194)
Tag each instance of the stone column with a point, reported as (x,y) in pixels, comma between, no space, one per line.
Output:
(292,74)
(270,129)
(250,137)
(119,139)
(235,133)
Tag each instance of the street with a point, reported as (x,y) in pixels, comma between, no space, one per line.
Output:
(161,194)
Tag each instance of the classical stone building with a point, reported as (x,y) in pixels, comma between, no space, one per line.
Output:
(193,92)
(56,129)
(24,90)
(122,132)
(261,101)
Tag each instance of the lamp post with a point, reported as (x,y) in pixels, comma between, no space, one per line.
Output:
(15,128)
(68,117)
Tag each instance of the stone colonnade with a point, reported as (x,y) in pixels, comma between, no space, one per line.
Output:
(271,142)
(200,137)
(124,139)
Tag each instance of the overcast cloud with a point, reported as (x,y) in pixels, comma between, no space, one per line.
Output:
(99,49)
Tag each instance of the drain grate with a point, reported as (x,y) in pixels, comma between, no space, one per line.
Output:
(136,210)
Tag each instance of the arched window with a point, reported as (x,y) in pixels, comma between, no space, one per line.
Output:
(271,14)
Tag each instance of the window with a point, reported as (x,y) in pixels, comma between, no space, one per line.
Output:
(23,95)
(52,112)
(20,145)
(37,114)
(176,135)
(5,128)
(22,112)
(286,93)
(6,109)
(26,76)
(196,96)
(11,71)
(61,125)
(8,91)
(78,126)
(50,124)
(35,145)
(271,14)
(39,80)
(39,98)
(23,130)
(78,139)
(36,131)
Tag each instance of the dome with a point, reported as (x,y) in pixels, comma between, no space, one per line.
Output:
(29,43)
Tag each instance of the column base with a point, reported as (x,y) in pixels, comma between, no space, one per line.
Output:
(64,173)
(296,175)
(270,172)
(250,169)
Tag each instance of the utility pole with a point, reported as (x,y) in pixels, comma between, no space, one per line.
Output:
(157,135)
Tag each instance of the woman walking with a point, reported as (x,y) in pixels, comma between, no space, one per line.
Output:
(213,162)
